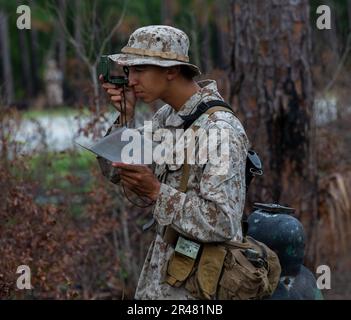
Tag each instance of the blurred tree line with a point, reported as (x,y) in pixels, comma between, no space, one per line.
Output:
(63,30)
(90,21)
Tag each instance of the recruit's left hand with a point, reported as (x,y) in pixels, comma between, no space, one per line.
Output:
(139,178)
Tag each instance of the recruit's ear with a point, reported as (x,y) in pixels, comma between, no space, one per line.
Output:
(173,72)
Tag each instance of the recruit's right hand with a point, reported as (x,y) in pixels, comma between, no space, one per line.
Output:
(116,97)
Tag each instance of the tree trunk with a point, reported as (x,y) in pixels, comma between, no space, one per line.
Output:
(78,24)
(6,60)
(26,81)
(25,63)
(35,57)
(34,49)
(271,91)
(221,13)
(78,37)
(205,47)
(167,8)
(62,38)
(194,41)
(331,38)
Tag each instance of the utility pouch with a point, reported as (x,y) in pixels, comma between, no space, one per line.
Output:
(225,271)
(249,273)
(182,262)
(241,280)
(203,283)
(234,271)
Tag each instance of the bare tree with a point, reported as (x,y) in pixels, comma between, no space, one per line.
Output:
(272,93)
(6,59)
(87,50)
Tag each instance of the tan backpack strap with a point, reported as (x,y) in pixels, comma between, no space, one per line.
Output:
(215,109)
(185,175)
(186,167)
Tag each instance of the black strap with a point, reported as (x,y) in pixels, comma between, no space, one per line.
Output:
(202,108)
(253,162)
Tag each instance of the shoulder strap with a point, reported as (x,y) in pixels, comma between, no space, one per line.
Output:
(202,108)
(218,108)
(210,110)
(253,162)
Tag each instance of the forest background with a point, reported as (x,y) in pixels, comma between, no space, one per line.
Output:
(76,232)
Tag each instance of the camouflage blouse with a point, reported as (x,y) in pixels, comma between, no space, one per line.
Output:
(212,207)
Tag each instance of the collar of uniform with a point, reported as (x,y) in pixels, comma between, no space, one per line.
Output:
(208,89)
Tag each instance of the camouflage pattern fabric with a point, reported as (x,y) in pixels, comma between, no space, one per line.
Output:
(163,46)
(212,207)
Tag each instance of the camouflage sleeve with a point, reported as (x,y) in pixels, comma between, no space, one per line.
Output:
(214,212)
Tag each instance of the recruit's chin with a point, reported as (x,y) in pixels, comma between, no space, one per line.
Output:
(146,99)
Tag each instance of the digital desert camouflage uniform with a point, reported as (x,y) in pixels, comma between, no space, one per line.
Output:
(212,207)
(164,46)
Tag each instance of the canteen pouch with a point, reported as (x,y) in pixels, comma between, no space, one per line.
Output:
(203,283)
(179,269)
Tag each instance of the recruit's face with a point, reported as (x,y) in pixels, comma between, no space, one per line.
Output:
(148,82)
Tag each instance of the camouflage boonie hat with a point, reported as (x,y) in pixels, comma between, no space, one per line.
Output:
(162,46)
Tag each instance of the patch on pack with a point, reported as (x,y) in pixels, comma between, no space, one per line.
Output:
(187,247)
